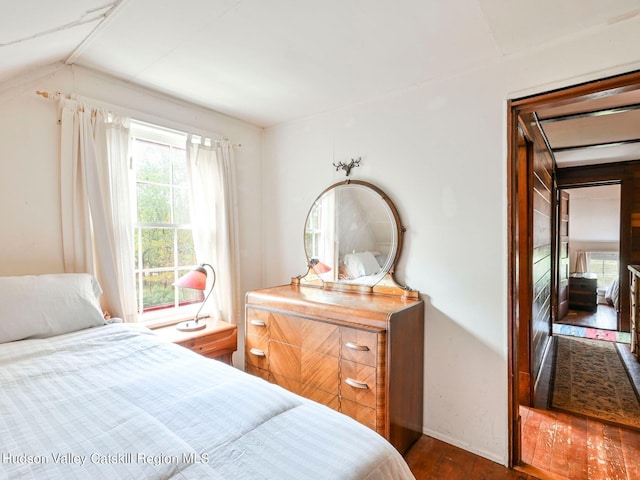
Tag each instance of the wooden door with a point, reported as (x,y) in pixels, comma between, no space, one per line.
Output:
(563,255)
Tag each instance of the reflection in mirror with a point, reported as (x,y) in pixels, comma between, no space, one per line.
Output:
(351,235)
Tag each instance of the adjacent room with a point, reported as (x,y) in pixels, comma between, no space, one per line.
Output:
(275,239)
(594,258)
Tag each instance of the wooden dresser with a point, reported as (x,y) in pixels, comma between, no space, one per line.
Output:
(583,293)
(360,354)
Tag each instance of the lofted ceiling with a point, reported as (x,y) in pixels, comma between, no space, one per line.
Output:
(273,61)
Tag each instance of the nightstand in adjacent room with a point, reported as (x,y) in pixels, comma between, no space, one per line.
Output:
(583,293)
(218,340)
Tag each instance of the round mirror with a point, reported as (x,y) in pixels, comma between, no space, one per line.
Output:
(352,235)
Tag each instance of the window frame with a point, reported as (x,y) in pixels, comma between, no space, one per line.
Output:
(603,256)
(178,310)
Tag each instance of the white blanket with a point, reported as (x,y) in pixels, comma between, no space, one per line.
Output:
(117,402)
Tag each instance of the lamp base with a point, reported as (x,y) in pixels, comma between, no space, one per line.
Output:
(190,326)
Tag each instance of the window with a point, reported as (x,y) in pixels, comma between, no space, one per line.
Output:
(605,265)
(162,234)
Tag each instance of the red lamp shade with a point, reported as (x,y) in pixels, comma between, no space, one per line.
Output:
(318,266)
(196,278)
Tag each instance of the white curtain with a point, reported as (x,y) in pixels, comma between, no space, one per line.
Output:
(211,174)
(97,227)
(582,261)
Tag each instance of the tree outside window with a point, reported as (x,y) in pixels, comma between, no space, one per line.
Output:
(163,235)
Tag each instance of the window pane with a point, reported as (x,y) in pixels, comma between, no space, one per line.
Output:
(606,269)
(189,295)
(179,167)
(162,197)
(153,203)
(158,289)
(181,213)
(152,162)
(157,247)
(186,251)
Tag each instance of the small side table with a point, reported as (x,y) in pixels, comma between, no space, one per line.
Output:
(583,293)
(218,340)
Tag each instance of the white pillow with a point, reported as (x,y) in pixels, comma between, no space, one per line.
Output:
(361,264)
(41,306)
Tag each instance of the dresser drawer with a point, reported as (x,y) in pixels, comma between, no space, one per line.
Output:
(584,284)
(305,333)
(312,368)
(363,414)
(257,351)
(258,322)
(258,372)
(359,346)
(324,397)
(358,383)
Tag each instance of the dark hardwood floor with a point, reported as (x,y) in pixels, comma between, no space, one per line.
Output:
(558,445)
(435,460)
(555,445)
(604,318)
(572,447)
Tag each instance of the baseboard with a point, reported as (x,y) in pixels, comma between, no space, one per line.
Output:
(466,446)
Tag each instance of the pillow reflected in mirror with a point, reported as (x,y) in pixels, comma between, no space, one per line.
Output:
(361,264)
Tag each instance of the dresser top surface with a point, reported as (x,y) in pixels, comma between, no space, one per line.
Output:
(584,276)
(296,294)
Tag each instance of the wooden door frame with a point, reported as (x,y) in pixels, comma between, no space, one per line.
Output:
(515,108)
(610,174)
(557,242)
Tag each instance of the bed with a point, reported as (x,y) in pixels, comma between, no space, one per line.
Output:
(116,401)
(612,294)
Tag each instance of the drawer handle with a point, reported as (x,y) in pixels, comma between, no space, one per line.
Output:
(356,346)
(258,323)
(257,352)
(356,384)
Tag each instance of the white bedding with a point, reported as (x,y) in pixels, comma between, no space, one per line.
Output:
(612,294)
(117,402)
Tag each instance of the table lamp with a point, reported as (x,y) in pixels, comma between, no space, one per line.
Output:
(196,279)
(318,266)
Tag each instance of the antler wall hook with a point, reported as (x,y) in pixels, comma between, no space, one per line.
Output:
(355,162)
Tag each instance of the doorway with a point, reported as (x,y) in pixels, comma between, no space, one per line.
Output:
(591,258)
(529,333)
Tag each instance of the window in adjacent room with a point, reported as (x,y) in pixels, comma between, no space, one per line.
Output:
(605,265)
(162,234)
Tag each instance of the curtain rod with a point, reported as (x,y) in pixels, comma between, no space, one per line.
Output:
(58,95)
(49,96)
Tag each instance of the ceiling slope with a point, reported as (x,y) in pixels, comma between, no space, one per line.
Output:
(41,32)
(269,62)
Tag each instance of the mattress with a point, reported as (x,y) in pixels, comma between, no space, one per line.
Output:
(118,402)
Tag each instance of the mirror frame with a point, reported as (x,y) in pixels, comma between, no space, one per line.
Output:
(387,285)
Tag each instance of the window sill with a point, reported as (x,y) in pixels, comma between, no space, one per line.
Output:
(172,316)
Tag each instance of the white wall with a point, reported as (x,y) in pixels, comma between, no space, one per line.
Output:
(439,151)
(29,162)
(594,220)
(594,214)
